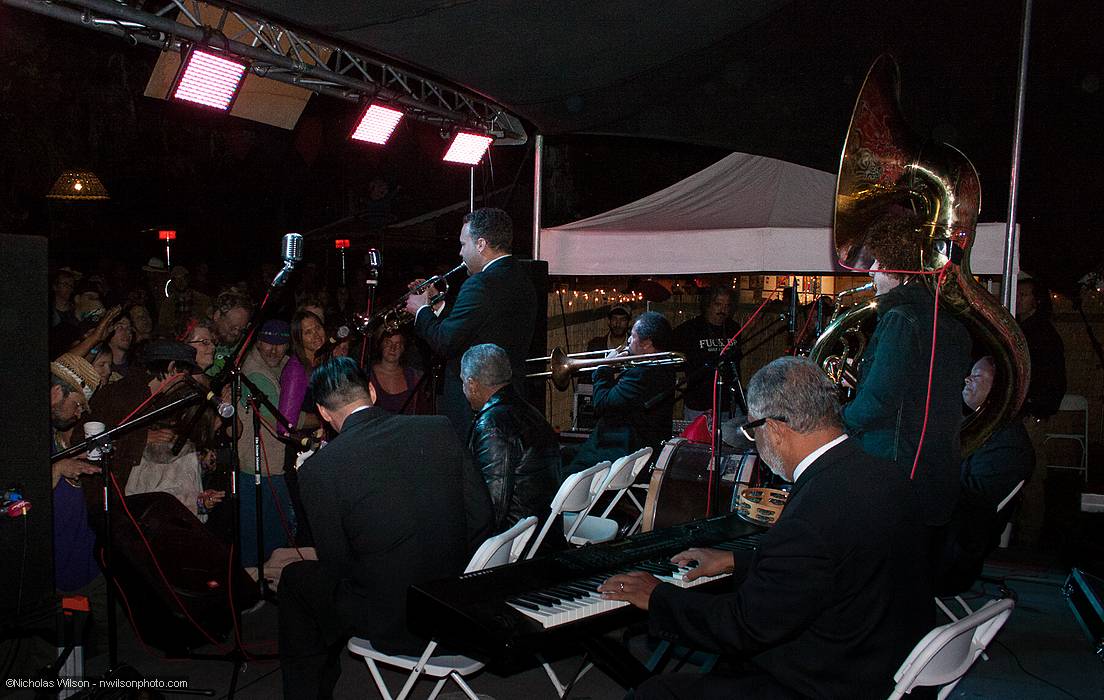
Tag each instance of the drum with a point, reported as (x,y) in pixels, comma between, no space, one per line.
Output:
(680,478)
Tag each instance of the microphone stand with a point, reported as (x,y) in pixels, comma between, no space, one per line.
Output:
(256,396)
(372,282)
(236,377)
(102,442)
(728,357)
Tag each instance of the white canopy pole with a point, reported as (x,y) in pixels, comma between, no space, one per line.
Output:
(538,181)
(1009,283)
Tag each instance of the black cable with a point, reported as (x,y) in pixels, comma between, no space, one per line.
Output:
(1029,673)
(256,680)
(22,569)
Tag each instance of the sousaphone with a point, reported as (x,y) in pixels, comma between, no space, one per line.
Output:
(886,171)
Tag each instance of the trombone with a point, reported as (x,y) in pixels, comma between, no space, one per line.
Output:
(561,365)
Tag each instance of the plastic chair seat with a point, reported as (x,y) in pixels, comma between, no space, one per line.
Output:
(592,530)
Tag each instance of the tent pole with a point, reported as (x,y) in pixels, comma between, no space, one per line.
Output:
(538,181)
(471,189)
(1009,282)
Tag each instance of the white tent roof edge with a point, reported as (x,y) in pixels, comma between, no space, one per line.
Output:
(743,250)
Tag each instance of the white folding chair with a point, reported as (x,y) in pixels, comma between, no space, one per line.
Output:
(576,496)
(966,609)
(500,549)
(621,480)
(946,653)
(1074,402)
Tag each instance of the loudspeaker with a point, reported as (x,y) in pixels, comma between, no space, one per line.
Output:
(26,541)
(194,563)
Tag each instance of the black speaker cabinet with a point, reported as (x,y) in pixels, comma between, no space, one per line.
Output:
(26,542)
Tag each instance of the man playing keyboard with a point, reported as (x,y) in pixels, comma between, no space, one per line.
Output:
(838,592)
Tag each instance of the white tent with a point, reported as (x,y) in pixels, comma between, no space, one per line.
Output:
(742,214)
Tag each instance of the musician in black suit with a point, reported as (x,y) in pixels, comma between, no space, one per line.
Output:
(625,423)
(393,501)
(497,304)
(838,592)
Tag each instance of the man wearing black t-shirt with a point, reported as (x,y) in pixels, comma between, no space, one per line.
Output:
(702,338)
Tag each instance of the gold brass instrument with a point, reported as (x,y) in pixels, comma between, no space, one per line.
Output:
(850,344)
(561,365)
(886,172)
(394,316)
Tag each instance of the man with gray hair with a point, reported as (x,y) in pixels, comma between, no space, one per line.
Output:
(838,592)
(510,441)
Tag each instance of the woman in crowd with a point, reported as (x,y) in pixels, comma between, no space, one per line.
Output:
(100,357)
(141,321)
(197,333)
(308,338)
(394,382)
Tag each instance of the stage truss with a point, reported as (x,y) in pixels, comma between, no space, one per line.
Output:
(279,52)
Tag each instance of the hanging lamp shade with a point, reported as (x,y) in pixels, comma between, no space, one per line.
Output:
(82,185)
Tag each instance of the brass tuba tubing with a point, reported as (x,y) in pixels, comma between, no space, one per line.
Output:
(561,366)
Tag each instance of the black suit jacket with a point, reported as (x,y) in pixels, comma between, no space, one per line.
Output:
(498,305)
(624,425)
(392,501)
(837,594)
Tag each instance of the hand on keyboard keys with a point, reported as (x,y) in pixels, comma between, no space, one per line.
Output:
(697,562)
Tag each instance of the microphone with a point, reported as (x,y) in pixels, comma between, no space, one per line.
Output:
(374,261)
(291,250)
(224,409)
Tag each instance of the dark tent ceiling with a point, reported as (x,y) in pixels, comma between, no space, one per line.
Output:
(773,77)
(776,77)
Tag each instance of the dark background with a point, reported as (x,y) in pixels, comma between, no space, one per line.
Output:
(71,98)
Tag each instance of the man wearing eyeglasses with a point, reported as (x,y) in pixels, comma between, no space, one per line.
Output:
(838,592)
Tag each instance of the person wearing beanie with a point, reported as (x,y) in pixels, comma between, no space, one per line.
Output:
(262,366)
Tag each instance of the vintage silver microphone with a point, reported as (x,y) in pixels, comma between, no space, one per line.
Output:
(291,250)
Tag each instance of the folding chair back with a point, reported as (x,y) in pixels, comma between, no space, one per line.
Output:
(504,548)
(575,496)
(946,653)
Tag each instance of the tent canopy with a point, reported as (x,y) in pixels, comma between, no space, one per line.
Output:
(744,213)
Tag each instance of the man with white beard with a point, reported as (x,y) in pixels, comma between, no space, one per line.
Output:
(838,591)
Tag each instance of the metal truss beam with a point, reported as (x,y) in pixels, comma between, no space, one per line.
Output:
(282,53)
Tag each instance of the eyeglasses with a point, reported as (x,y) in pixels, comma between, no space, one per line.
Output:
(749,428)
(201,341)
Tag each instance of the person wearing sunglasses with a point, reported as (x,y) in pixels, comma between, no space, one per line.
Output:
(838,591)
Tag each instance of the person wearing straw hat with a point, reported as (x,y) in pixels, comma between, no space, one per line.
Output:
(73,380)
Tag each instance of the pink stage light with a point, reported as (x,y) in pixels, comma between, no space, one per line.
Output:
(377,124)
(467,148)
(209,79)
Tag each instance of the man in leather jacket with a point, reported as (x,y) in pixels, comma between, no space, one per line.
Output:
(510,440)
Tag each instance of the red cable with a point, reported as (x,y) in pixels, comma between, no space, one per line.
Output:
(942,274)
(931,371)
(157,564)
(716,406)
